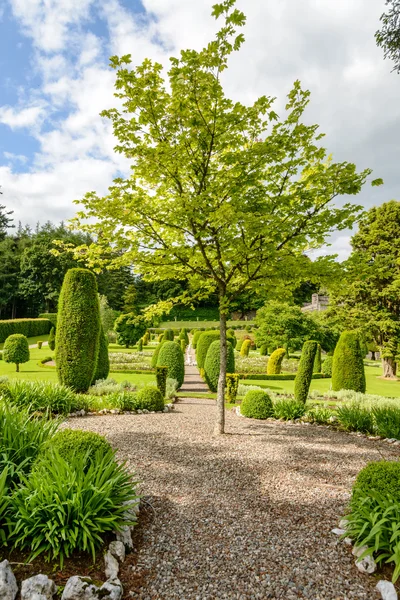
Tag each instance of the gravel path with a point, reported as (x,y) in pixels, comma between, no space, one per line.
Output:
(243,516)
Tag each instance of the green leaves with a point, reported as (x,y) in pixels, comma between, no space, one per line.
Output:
(377,182)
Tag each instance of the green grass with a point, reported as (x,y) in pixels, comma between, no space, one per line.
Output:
(195,324)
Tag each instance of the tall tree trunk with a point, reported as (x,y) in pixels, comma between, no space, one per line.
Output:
(220,422)
(14,310)
(389,367)
(373,357)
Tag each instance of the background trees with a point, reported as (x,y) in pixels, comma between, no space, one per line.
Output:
(388,37)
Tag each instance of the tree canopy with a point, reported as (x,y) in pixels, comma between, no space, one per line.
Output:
(388,37)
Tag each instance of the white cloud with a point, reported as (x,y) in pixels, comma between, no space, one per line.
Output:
(21,158)
(25,117)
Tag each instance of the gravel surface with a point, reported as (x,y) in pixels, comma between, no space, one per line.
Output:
(245,515)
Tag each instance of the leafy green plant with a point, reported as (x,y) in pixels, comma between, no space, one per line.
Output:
(387,421)
(171,388)
(123,400)
(275,361)
(354,417)
(305,371)
(40,396)
(16,350)
(232,386)
(289,409)
(4,503)
(326,367)
(129,329)
(71,442)
(257,405)
(212,364)
(171,356)
(68,505)
(319,414)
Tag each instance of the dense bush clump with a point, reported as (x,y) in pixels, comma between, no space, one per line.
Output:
(103,361)
(289,409)
(129,329)
(52,339)
(74,442)
(212,364)
(275,361)
(348,366)
(305,371)
(149,398)
(387,421)
(78,330)
(257,405)
(195,338)
(161,378)
(355,417)
(263,350)
(382,476)
(171,356)
(27,327)
(205,341)
(16,350)
(326,367)
(245,348)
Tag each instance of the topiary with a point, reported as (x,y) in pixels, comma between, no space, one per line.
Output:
(103,361)
(183,346)
(52,338)
(195,339)
(184,336)
(72,442)
(212,364)
(326,367)
(245,349)
(39,345)
(161,378)
(347,365)
(263,350)
(171,356)
(239,345)
(232,385)
(275,361)
(317,360)
(150,398)
(168,335)
(382,476)
(160,337)
(129,329)
(156,352)
(205,341)
(140,345)
(16,350)
(78,330)
(257,405)
(305,371)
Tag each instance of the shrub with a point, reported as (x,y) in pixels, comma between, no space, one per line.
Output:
(319,414)
(354,417)
(1,355)
(40,396)
(150,398)
(382,476)
(263,350)
(183,346)
(289,409)
(89,499)
(161,377)
(232,386)
(16,350)
(257,405)
(39,345)
(317,360)
(50,316)
(103,360)
(52,339)
(305,371)
(78,331)
(160,337)
(275,361)
(156,352)
(184,336)
(347,366)
(239,344)
(129,329)
(212,364)
(27,327)
(168,335)
(171,388)
(203,344)
(326,367)
(74,442)
(140,345)
(387,421)
(171,356)
(245,349)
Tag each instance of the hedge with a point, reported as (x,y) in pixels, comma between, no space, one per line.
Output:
(279,376)
(257,405)
(103,361)
(171,356)
(305,371)
(348,366)
(51,317)
(78,331)
(27,327)
(212,364)
(275,361)
(16,350)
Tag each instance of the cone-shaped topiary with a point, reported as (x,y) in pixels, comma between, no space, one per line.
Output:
(52,338)
(305,371)
(263,350)
(78,330)
(347,365)
(245,349)
(317,360)
(205,341)
(156,352)
(326,367)
(16,350)
(257,405)
(196,336)
(168,335)
(275,361)
(212,364)
(103,361)
(171,356)
(184,335)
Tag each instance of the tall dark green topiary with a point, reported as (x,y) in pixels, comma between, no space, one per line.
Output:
(140,345)
(317,360)
(78,330)
(161,378)
(171,356)
(347,365)
(305,371)
(326,367)
(52,338)
(16,350)
(103,361)
(212,364)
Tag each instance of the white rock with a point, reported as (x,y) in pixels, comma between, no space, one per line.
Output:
(111,590)
(111,565)
(387,590)
(117,549)
(338,531)
(366,564)
(358,550)
(165,409)
(139,411)
(8,584)
(79,588)
(343,523)
(348,541)
(125,536)
(39,587)
(115,411)
(171,406)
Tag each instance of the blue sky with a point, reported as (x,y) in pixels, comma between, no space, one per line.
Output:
(55,80)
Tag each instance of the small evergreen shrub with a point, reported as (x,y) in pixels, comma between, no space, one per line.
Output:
(16,350)
(274,364)
(195,339)
(168,335)
(52,339)
(184,336)
(150,398)
(183,346)
(288,409)
(140,345)
(171,356)
(245,349)
(263,350)
(326,367)
(212,364)
(257,405)
(348,366)
(239,344)
(161,377)
(305,371)
(39,345)
(232,386)
(74,442)
(103,360)
(156,352)
(317,360)
(203,344)
(382,476)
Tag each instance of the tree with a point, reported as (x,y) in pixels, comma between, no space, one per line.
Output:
(129,329)
(107,315)
(388,37)
(5,221)
(16,349)
(223,195)
(284,325)
(347,364)
(367,297)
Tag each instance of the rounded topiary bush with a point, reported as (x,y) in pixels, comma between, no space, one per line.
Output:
(245,348)
(382,476)
(305,371)
(263,350)
(78,330)
(326,367)
(52,338)
(275,361)
(72,442)
(168,335)
(149,398)
(257,405)
(195,338)
(103,361)
(212,364)
(171,356)
(16,350)
(156,352)
(347,365)
(205,341)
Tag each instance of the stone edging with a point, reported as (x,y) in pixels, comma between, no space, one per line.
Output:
(116,411)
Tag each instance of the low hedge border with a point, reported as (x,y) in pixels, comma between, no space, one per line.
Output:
(281,376)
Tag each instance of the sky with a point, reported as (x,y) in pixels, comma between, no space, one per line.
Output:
(55,80)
